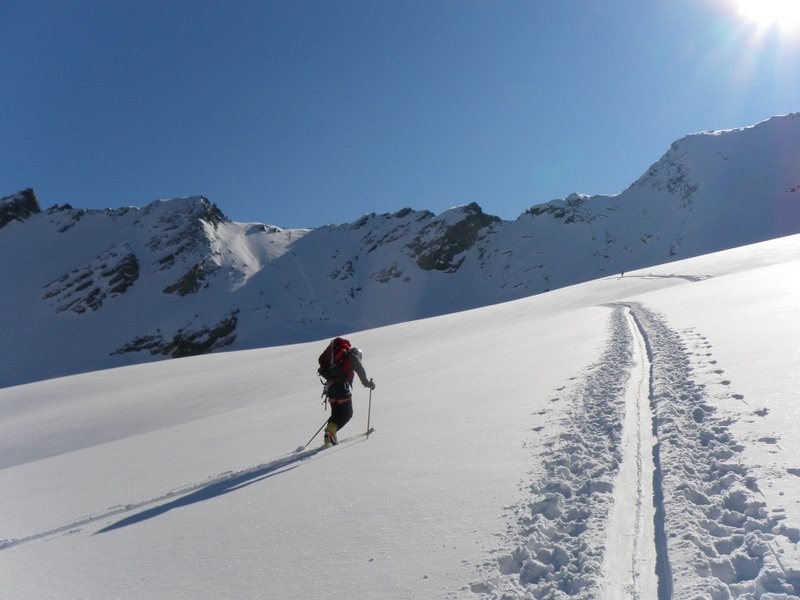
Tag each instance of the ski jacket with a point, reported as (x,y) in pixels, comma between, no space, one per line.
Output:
(352,366)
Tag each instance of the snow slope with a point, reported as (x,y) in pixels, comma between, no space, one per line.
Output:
(624,438)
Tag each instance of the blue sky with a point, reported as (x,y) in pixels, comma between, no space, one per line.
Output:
(300,113)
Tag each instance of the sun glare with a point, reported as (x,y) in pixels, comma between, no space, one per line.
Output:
(783,14)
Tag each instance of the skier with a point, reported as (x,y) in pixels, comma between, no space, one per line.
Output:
(338,365)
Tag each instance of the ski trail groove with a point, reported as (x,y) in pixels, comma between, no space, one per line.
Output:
(629,564)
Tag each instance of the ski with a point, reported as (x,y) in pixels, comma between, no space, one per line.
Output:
(364,434)
(352,438)
(303,452)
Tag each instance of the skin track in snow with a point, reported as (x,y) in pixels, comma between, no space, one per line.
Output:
(629,565)
(561,531)
(728,549)
(643,454)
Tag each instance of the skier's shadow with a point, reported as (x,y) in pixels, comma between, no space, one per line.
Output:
(214,489)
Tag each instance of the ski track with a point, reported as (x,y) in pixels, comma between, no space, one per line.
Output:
(632,555)
(695,526)
(215,486)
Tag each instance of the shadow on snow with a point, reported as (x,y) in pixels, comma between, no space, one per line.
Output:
(217,487)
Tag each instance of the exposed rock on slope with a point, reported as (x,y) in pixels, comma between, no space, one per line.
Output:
(18,207)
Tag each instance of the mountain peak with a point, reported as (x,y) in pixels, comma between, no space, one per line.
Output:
(18,207)
(187,207)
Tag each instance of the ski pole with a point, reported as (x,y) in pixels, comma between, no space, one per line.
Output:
(369,410)
(318,430)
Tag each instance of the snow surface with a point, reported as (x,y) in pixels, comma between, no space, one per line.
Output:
(627,437)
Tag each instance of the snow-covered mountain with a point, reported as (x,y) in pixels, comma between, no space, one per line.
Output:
(85,290)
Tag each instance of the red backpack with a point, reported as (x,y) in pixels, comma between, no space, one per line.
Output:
(332,359)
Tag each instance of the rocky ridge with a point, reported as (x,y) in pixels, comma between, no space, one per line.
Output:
(177,277)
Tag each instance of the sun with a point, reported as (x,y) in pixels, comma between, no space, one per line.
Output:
(766,14)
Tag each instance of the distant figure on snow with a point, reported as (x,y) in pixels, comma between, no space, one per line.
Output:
(338,365)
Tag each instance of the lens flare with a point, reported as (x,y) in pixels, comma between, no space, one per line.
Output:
(766,14)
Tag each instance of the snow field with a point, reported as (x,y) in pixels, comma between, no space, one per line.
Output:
(509,440)
(411,510)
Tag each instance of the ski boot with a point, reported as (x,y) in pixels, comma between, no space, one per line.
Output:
(330,434)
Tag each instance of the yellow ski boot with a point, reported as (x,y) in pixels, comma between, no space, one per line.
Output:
(330,434)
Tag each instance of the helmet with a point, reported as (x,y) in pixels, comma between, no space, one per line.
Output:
(357,352)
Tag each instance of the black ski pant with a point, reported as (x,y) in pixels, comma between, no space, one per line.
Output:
(341,411)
